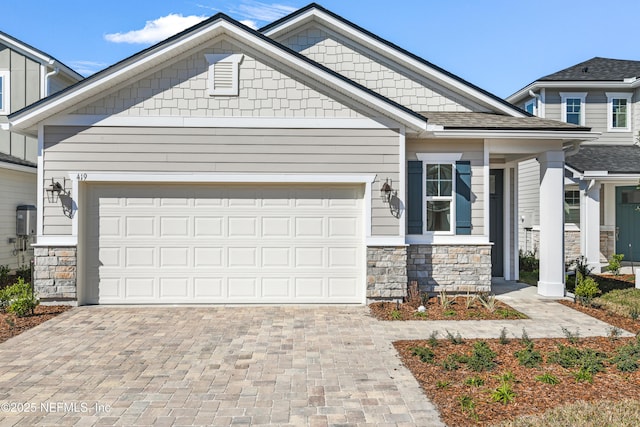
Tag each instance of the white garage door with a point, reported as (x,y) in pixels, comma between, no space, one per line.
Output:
(167,244)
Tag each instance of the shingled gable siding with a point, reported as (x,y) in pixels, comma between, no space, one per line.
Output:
(180,89)
(370,70)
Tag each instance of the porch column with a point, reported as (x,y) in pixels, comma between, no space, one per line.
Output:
(590,223)
(552,270)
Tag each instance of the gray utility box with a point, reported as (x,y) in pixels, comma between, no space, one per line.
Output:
(26,220)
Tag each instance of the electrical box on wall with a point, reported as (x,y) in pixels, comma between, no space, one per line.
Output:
(527,220)
(26,220)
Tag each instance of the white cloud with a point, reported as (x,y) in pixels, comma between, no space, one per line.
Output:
(156,30)
(260,11)
(86,68)
(250,23)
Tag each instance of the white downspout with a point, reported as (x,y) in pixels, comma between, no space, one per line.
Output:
(50,74)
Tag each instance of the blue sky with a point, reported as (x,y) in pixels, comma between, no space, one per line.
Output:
(499,45)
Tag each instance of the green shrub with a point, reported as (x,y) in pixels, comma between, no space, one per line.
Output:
(452,362)
(586,290)
(482,357)
(18,299)
(424,353)
(455,339)
(528,261)
(4,274)
(503,394)
(528,357)
(586,359)
(474,382)
(548,378)
(615,263)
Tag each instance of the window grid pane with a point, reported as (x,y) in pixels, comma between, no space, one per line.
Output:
(439,180)
(438,216)
(573,111)
(619,114)
(572,207)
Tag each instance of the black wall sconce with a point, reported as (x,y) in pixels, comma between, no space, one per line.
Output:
(386,191)
(54,190)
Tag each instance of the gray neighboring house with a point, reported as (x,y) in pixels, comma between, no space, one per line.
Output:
(26,75)
(308,162)
(602,184)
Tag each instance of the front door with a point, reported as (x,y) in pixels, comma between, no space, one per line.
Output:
(496,217)
(628,222)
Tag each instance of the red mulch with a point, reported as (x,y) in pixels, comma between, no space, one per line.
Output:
(621,322)
(21,324)
(435,311)
(531,396)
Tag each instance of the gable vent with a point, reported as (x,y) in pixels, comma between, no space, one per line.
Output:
(223,78)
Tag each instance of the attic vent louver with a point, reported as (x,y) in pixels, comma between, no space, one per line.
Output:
(223,78)
(585,70)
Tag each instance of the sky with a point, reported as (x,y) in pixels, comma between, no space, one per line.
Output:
(498,45)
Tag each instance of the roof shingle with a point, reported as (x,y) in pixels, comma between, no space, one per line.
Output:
(490,121)
(624,159)
(597,69)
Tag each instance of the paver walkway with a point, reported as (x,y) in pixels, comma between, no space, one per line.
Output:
(298,366)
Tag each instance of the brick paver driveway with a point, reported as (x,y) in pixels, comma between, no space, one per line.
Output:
(209,366)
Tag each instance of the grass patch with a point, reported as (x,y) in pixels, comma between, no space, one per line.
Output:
(529,277)
(623,302)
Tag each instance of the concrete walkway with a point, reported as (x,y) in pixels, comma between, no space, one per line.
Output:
(265,365)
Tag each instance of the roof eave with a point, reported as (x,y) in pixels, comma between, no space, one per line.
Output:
(564,135)
(577,84)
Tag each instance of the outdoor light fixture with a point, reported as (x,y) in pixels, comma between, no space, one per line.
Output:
(386,191)
(54,190)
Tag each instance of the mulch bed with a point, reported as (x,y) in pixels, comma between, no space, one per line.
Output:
(621,322)
(531,396)
(435,311)
(21,324)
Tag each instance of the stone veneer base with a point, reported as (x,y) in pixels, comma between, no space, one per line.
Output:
(55,273)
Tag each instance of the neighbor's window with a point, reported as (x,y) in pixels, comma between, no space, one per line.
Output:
(439,196)
(572,207)
(530,107)
(573,107)
(4,92)
(619,105)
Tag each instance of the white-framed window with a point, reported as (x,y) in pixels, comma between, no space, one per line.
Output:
(573,107)
(5,96)
(224,75)
(439,190)
(618,112)
(572,207)
(531,106)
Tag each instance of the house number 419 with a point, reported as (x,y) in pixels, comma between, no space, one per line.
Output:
(81,177)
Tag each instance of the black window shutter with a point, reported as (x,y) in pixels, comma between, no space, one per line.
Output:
(414,198)
(463,197)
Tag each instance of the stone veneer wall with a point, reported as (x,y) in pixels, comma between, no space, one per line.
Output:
(453,268)
(572,245)
(386,273)
(55,272)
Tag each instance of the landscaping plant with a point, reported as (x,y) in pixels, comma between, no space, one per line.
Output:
(18,299)
(615,264)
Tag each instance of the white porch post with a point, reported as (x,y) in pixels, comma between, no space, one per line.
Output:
(551,283)
(590,223)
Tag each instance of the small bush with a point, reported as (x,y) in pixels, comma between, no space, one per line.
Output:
(503,394)
(525,337)
(433,339)
(18,299)
(548,378)
(451,362)
(474,382)
(528,357)
(443,384)
(424,353)
(502,339)
(482,357)
(586,290)
(455,339)
(583,375)
(488,301)
(396,314)
(586,359)
(626,359)
(528,261)
(572,337)
(615,264)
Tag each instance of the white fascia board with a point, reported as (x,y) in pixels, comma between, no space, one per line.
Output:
(18,168)
(524,92)
(617,177)
(515,134)
(154,58)
(396,55)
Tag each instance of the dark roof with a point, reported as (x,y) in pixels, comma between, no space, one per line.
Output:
(219,16)
(6,158)
(598,69)
(611,158)
(489,121)
(392,46)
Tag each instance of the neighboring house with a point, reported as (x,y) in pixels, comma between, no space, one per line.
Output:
(602,184)
(26,75)
(310,161)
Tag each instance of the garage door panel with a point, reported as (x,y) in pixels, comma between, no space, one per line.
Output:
(209,227)
(139,257)
(243,227)
(207,244)
(139,288)
(174,288)
(175,226)
(140,226)
(209,257)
